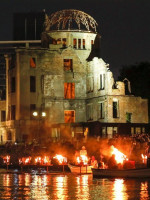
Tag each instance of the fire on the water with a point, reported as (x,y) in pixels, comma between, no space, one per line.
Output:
(117,159)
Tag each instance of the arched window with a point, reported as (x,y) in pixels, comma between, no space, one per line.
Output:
(9,135)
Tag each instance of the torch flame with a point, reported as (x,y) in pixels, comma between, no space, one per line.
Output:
(119,156)
(6,159)
(144,158)
(46,160)
(38,160)
(25,160)
(60,158)
(83,159)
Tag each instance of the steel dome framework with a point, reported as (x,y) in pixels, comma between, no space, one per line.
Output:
(65,19)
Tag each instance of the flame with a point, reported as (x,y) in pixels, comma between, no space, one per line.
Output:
(6,159)
(144,158)
(83,159)
(38,160)
(61,159)
(25,160)
(46,160)
(119,156)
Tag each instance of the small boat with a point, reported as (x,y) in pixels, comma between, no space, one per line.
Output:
(85,169)
(121,173)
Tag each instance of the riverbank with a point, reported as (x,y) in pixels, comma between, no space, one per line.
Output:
(12,155)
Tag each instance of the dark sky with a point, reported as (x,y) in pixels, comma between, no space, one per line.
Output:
(124,25)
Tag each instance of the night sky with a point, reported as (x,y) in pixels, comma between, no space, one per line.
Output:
(124,25)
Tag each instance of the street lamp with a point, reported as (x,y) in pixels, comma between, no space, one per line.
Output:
(39,116)
(35,114)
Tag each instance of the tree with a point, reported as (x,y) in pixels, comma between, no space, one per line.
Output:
(139,77)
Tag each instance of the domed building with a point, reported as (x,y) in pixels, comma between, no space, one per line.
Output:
(63,89)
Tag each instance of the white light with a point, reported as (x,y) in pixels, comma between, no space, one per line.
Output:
(43,114)
(35,114)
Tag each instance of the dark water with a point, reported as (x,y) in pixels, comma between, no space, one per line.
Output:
(72,187)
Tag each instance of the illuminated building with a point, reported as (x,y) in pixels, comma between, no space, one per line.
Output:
(65,77)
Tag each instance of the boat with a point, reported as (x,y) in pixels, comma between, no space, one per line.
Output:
(121,173)
(80,169)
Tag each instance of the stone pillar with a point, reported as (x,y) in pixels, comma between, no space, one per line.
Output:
(7,58)
(17,87)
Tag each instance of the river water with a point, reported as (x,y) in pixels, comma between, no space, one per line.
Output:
(71,187)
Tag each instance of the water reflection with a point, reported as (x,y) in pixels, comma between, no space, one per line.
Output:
(6,183)
(27,179)
(144,191)
(60,190)
(82,188)
(119,190)
(39,187)
(70,187)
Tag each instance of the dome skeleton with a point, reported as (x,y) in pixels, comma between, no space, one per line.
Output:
(67,16)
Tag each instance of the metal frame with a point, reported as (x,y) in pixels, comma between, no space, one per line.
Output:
(65,18)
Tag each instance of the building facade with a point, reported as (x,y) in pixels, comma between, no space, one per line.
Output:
(62,89)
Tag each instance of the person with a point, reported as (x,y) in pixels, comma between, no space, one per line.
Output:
(77,155)
(92,161)
(112,164)
(83,151)
(101,162)
(83,155)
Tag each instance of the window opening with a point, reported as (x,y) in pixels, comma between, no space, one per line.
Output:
(54,41)
(3,115)
(59,41)
(115,109)
(68,66)
(32,84)
(13,112)
(101,110)
(128,117)
(69,90)
(75,43)
(9,135)
(102,81)
(79,43)
(32,62)
(69,116)
(64,42)
(13,84)
(83,43)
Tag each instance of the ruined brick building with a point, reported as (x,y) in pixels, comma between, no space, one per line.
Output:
(62,88)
